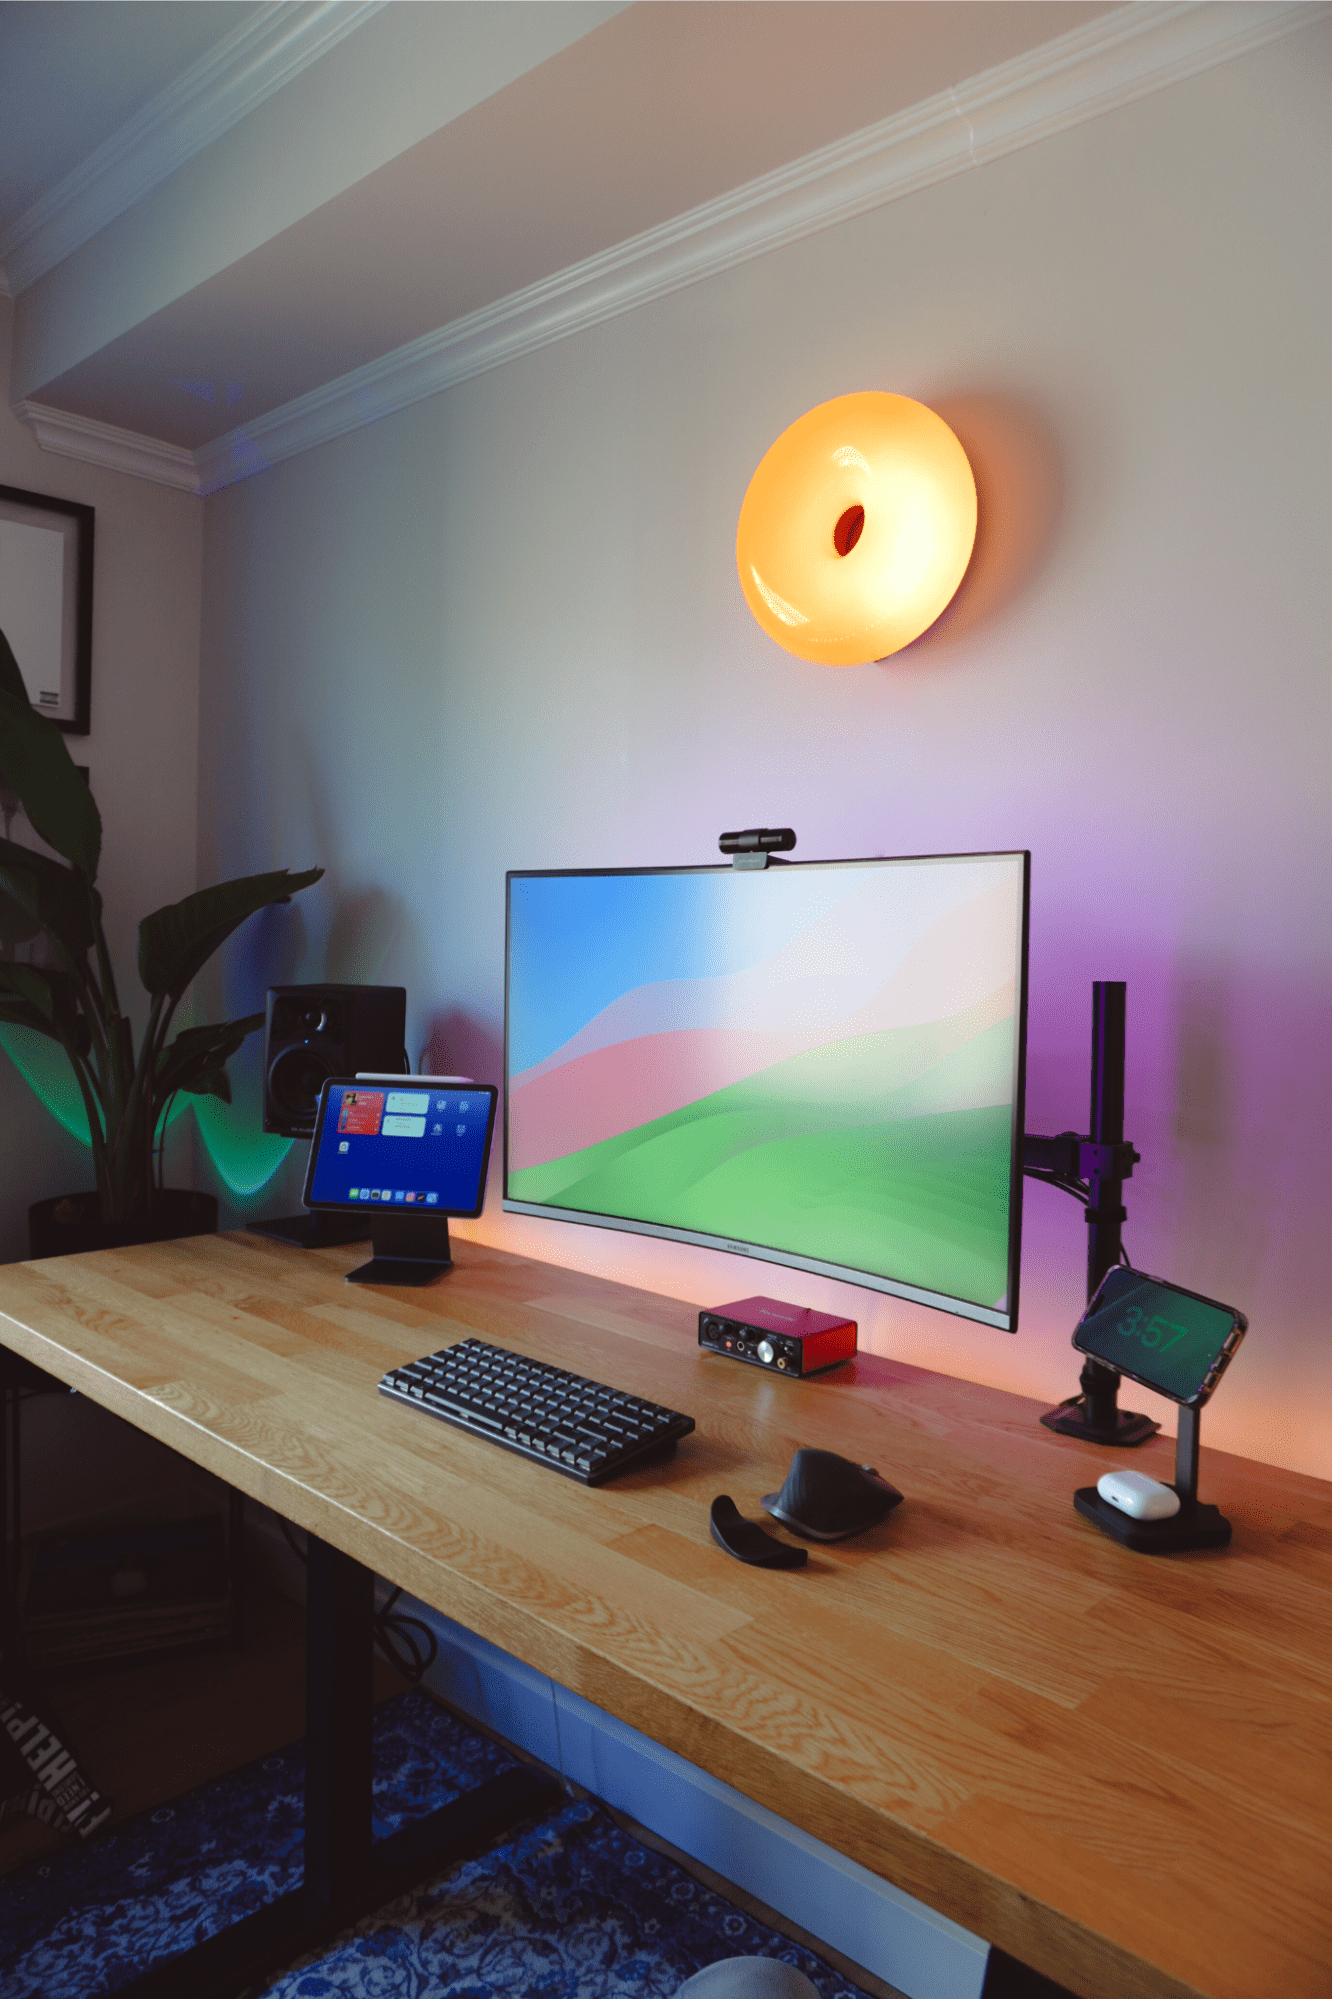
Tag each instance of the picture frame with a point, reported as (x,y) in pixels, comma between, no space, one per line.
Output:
(46,601)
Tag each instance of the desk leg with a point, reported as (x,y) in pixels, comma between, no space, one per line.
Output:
(1006,1978)
(347,1874)
(13,1643)
(236,1564)
(340,1603)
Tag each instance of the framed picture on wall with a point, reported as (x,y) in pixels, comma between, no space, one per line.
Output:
(46,601)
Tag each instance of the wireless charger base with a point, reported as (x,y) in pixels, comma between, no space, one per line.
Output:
(1195,1526)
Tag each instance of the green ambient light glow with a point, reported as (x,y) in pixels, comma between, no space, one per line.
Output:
(244,1157)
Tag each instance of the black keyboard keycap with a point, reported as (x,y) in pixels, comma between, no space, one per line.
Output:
(580,1427)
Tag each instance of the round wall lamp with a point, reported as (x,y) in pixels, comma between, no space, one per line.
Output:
(857,528)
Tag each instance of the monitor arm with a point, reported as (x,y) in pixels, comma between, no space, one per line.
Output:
(1094,1170)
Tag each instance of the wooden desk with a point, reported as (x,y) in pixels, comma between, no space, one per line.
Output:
(1112,1765)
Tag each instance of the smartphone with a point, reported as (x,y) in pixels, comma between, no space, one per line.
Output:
(1157,1334)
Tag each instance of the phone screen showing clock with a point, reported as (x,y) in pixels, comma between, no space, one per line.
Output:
(1164,1337)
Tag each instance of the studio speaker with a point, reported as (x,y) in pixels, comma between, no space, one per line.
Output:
(311,1033)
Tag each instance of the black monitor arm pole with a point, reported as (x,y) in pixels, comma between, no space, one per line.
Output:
(1094,1169)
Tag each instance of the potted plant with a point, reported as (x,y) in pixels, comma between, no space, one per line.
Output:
(71,995)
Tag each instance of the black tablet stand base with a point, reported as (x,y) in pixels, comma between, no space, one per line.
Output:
(410,1250)
(1197,1525)
(313,1231)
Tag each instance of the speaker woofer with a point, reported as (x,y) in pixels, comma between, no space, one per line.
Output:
(295,1078)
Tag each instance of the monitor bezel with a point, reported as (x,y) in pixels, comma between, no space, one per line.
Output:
(1004,1320)
(427,1086)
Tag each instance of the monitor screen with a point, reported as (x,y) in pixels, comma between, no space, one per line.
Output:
(409,1145)
(819,1065)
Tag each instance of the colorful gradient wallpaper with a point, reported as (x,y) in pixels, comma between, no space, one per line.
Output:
(821,1062)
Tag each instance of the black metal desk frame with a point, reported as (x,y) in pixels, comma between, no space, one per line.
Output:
(347,1873)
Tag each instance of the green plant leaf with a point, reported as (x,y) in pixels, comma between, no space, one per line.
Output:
(15,926)
(16,1012)
(211,1083)
(56,896)
(37,765)
(30,985)
(70,1017)
(176,941)
(18,906)
(11,680)
(198,1051)
(52,997)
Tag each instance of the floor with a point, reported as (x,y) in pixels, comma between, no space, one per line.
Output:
(144,1733)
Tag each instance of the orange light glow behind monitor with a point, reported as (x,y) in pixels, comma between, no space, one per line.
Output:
(857,528)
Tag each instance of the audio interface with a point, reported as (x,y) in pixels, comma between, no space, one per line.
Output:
(784,1338)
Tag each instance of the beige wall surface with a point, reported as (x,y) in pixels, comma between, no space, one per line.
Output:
(503,629)
(142,758)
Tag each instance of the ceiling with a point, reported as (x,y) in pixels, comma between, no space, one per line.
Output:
(70,76)
(221,223)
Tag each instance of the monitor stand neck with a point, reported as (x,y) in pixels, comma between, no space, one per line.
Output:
(1097,1167)
(409,1250)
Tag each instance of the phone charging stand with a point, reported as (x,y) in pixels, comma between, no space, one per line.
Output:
(1197,1525)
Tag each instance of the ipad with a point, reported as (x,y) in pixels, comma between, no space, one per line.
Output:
(402,1145)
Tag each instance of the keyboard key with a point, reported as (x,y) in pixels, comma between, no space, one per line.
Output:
(550,1415)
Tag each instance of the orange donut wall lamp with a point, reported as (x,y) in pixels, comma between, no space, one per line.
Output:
(857,528)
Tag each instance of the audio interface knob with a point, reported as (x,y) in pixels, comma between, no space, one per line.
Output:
(766,1352)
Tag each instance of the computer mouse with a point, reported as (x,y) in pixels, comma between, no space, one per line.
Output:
(826,1497)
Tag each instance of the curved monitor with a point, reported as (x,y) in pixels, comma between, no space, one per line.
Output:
(819,1065)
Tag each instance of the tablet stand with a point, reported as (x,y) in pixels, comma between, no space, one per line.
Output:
(409,1249)
(1197,1525)
(316,1230)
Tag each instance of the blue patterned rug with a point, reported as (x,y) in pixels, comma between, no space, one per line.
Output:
(572,1908)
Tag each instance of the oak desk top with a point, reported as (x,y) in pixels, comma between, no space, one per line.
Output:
(1115,1766)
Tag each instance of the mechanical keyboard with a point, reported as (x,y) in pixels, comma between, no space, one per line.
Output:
(579,1427)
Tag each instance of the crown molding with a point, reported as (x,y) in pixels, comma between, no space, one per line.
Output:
(94,443)
(1118,58)
(269,48)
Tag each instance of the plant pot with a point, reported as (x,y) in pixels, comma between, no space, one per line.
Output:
(69,1223)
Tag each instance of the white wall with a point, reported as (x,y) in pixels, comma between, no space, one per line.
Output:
(142,756)
(503,629)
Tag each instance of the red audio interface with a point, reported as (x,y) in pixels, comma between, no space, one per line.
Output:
(785,1338)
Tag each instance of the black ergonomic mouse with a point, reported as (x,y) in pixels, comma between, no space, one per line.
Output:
(826,1497)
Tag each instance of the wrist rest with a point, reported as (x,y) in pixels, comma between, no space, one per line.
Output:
(749,1542)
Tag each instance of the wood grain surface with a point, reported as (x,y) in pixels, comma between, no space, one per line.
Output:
(1115,1766)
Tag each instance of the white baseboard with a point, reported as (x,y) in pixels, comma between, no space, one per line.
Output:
(874,1924)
